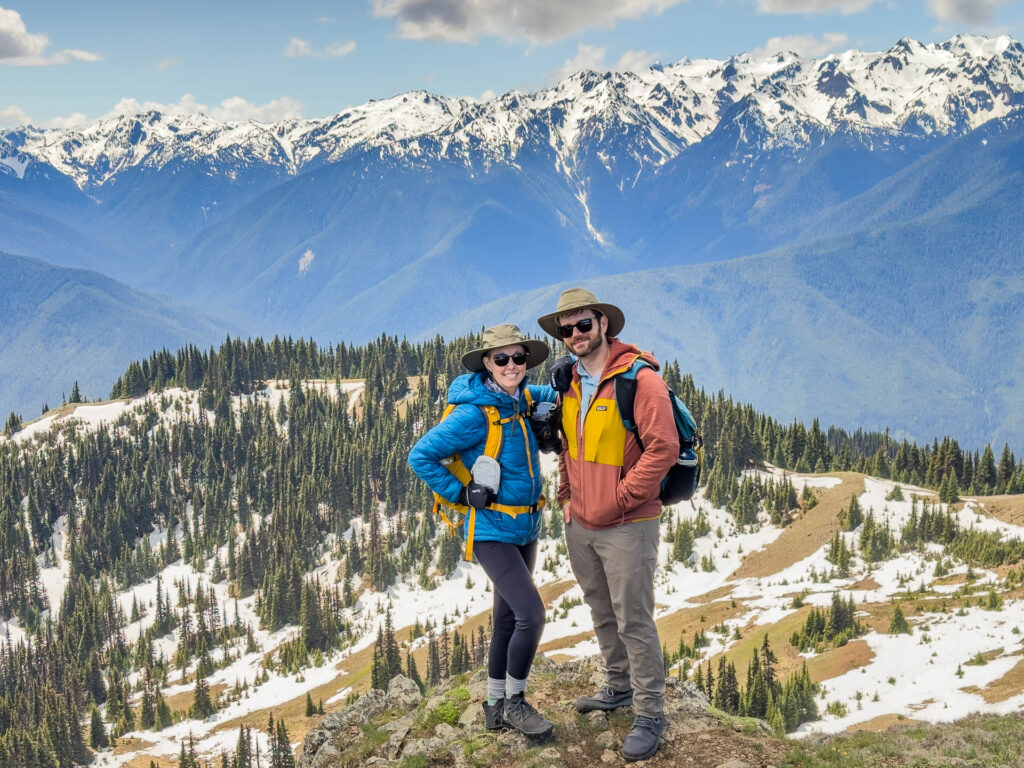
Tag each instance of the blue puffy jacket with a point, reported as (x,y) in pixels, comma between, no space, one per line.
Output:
(464,431)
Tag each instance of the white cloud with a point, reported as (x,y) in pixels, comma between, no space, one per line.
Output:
(298,48)
(967,11)
(805,45)
(165,64)
(14,117)
(229,110)
(74,120)
(845,7)
(634,61)
(335,50)
(15,39)
(21,48)
(539,21)
(592,57)
(237,108)
(305,262)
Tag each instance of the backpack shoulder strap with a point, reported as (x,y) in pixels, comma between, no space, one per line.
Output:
(625,393)
(494,432)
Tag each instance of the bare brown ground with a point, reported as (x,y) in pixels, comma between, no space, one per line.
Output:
(806,534)
(1009,509)
(838,661)
(866,584)
(1006,687)
(883,723)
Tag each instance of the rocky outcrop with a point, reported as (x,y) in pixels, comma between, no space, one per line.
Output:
(388,728)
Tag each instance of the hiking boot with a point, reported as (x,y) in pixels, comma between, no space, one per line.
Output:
(494,717)
(521,715)
(606,699)
(643,738)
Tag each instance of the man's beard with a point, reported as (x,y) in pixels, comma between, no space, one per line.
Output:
(592,345)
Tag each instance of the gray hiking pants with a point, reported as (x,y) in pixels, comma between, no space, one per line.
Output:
(615,568)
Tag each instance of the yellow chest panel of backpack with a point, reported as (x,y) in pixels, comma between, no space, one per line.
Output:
(492,448)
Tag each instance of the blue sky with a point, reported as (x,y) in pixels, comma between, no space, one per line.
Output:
(65,63)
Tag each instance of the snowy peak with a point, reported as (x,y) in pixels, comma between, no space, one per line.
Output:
(938,88)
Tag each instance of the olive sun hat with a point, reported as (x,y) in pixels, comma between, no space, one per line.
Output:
(505,335)
(575,299)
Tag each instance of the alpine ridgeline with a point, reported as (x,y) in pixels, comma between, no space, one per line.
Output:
(852,178)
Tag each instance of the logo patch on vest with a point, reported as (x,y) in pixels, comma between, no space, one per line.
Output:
(601,408)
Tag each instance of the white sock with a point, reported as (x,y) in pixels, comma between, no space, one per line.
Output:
(513,686)
(495,690)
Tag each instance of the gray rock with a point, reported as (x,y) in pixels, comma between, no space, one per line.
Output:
(477,688)
(423,746)
(543,664)
(609,757)
(404,723)
(370,704)
(327,755)
(399,729)
(607,740)
(376,761)
(550,754)
(314,740)
(403,693)
(513,741)
(597,717)
(734,764)
(472,714)
(446,732)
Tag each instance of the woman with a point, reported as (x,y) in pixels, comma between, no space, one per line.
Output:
(505,544)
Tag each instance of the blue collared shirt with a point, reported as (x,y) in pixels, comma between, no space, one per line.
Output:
(588,388)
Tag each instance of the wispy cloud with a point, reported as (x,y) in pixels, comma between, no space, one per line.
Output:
(967,11)
(298,48)
(539,21)
(21,48)
(305,262)
(845,7)
(229,110)
(805,45)
(592,57)
(165,64)
(14,116)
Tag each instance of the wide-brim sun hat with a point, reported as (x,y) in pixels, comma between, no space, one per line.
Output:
(575,299)
(505,335)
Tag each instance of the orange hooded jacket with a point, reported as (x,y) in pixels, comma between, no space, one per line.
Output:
(603,473)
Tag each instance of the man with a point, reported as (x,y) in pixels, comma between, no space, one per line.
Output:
(609,493)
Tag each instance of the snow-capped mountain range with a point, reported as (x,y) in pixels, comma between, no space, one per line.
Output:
(881,188)
(941,88)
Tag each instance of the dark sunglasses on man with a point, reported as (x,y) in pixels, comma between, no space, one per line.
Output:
(501,359)
(585,325)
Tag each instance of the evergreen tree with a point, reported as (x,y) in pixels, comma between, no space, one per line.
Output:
(898,623)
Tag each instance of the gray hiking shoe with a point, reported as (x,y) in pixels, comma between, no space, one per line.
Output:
(521,715)
(494,715)
(643,738)
(606,699)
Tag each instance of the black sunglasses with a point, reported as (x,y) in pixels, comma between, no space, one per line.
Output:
(501,359)
(585,326)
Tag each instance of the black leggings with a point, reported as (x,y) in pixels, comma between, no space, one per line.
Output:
(518,610)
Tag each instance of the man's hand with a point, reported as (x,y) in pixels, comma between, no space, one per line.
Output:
(561,374)
(565,512)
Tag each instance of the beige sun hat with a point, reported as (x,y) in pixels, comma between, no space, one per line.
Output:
(575,299)
(505,335)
